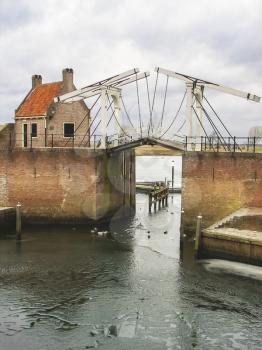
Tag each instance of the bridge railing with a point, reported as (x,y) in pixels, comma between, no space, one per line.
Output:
(116,140)
(12,140)
(225,144)
(9,140)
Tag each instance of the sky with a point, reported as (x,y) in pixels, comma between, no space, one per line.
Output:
(219,41)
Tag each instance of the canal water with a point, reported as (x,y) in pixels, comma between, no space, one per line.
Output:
(68,288)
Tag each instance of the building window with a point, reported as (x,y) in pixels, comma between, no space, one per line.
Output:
(69,129)
(34,129)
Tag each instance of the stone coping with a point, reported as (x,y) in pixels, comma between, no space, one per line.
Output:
(232,234)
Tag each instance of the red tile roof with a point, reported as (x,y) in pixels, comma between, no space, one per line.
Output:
(38,100)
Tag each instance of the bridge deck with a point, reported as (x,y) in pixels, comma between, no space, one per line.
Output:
(146,141)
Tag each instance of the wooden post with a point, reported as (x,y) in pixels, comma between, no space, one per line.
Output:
(181,248)
(198,234)
(150,202)
(173,172)
(18,221)
(182,222)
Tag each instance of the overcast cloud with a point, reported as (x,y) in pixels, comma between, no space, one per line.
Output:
(216,40)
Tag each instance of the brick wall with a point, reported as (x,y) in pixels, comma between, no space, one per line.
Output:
(69,113)
(7,136)
(38,141)
(66,185)
(216,185)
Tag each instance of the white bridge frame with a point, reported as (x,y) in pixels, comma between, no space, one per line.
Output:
(111,87)
(194,101)
(106,88)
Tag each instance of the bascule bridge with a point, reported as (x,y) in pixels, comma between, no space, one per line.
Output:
(74,182)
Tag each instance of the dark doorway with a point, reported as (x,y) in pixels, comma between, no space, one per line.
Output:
(25,135)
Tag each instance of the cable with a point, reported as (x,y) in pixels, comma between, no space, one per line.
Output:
(116,118)
(87,114)
(149,105)
(221,122)
(202,127)
(164,103)
(99,109)
(138,102)
(184,122)
(153,103)
(176,115)
(217,132)
(128,117)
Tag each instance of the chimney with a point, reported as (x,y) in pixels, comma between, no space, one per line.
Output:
(68,84)
(36,80)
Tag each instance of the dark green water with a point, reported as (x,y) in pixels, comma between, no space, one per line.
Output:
(60,284)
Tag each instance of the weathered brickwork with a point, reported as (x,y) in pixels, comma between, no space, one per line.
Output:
(216,185)
(7,136)
(76,113)
(66,185)
(39,108)
(38,141)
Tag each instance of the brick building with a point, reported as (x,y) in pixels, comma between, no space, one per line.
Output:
(39,122)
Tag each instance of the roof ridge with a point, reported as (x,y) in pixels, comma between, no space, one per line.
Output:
(39,99)
(51,83)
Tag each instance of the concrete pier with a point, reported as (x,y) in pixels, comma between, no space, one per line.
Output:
(221,241)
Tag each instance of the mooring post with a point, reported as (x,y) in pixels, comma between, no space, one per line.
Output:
(150,202)
(198,234)
(182,222)
(181,234)
(173,173)
(18,221)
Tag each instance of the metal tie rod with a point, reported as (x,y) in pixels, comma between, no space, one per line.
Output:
(78,96)
(96,85)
